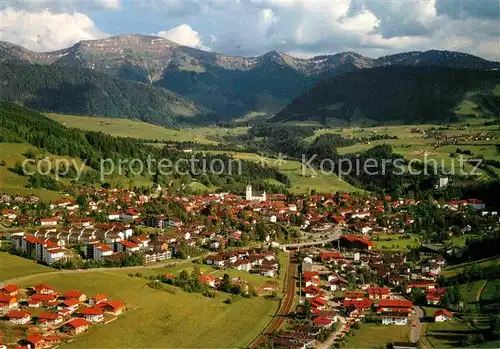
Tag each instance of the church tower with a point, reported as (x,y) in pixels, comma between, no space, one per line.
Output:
(248,195)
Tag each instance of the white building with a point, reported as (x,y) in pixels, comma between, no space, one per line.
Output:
(254,196)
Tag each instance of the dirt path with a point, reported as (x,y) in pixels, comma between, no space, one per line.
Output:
(480,291)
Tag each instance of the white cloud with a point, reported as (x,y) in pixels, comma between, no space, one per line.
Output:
(61,5)
(185,35)
(46,31)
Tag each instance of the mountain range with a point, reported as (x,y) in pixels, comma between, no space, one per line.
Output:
(230,86)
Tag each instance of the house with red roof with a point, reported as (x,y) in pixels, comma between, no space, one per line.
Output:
(331,255)
(19,317)
(312,291)
(49,319)
(355,242)
(423,284)
(44,289)
(80,296)
(7,302)
(378,292)
(36,341)
(433,297)
(208,279)
(394,311)
(115,307)
(69,304)
(76,326)
(10,290)
(442,315)
(92,314)
(323,322)
(318,302)
(99,298)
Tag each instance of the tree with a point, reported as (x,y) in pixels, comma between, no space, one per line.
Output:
(307,309)
(226,285)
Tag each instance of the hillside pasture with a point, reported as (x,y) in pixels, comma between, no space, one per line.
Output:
(143,130)
(12,266)
(160,319)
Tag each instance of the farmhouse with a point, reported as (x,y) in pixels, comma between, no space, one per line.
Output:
(44,289)
(49,319)
(80,296)
(442,315)
(19,317)
(99,298)
(38,342)
(76,326)
(115,307)
(10,290)
(92,314)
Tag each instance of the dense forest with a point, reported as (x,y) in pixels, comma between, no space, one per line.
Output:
(86,92)
(406,94)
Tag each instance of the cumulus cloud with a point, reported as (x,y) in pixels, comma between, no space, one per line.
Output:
(46,31)
(252,27)
(61,5)
(184,35)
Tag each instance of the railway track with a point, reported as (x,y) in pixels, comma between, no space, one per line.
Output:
(285,308)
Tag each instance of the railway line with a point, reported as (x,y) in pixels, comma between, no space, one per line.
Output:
(286,305)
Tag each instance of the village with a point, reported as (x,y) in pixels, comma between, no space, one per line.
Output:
(354,258)
(47,317)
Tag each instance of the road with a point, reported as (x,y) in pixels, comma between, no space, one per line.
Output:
(285,308)
(94,270)
(331,339)
(416,324)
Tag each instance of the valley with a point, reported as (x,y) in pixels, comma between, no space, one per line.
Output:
(160,195)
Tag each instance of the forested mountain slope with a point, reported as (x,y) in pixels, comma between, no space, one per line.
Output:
(407,94)
(85,92)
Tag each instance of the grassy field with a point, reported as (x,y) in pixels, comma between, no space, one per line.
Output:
(491,292)
(458,268)
(160,319)
(13,266)
(300,183)
(143,130)
(471,292)
(375,335)
(12,183)
(395,244)
(446,334)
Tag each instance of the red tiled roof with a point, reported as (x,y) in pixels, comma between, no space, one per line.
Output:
(443,312)
(78,323)
(17,314)
(322,321)
(48,316)
(395,303)
(10,288)
(116,304)
(91,311)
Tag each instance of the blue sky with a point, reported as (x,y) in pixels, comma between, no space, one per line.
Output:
(252,27)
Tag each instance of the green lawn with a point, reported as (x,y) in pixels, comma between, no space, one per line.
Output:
(395,244)
(159,319)
(375,335)
(13,266)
